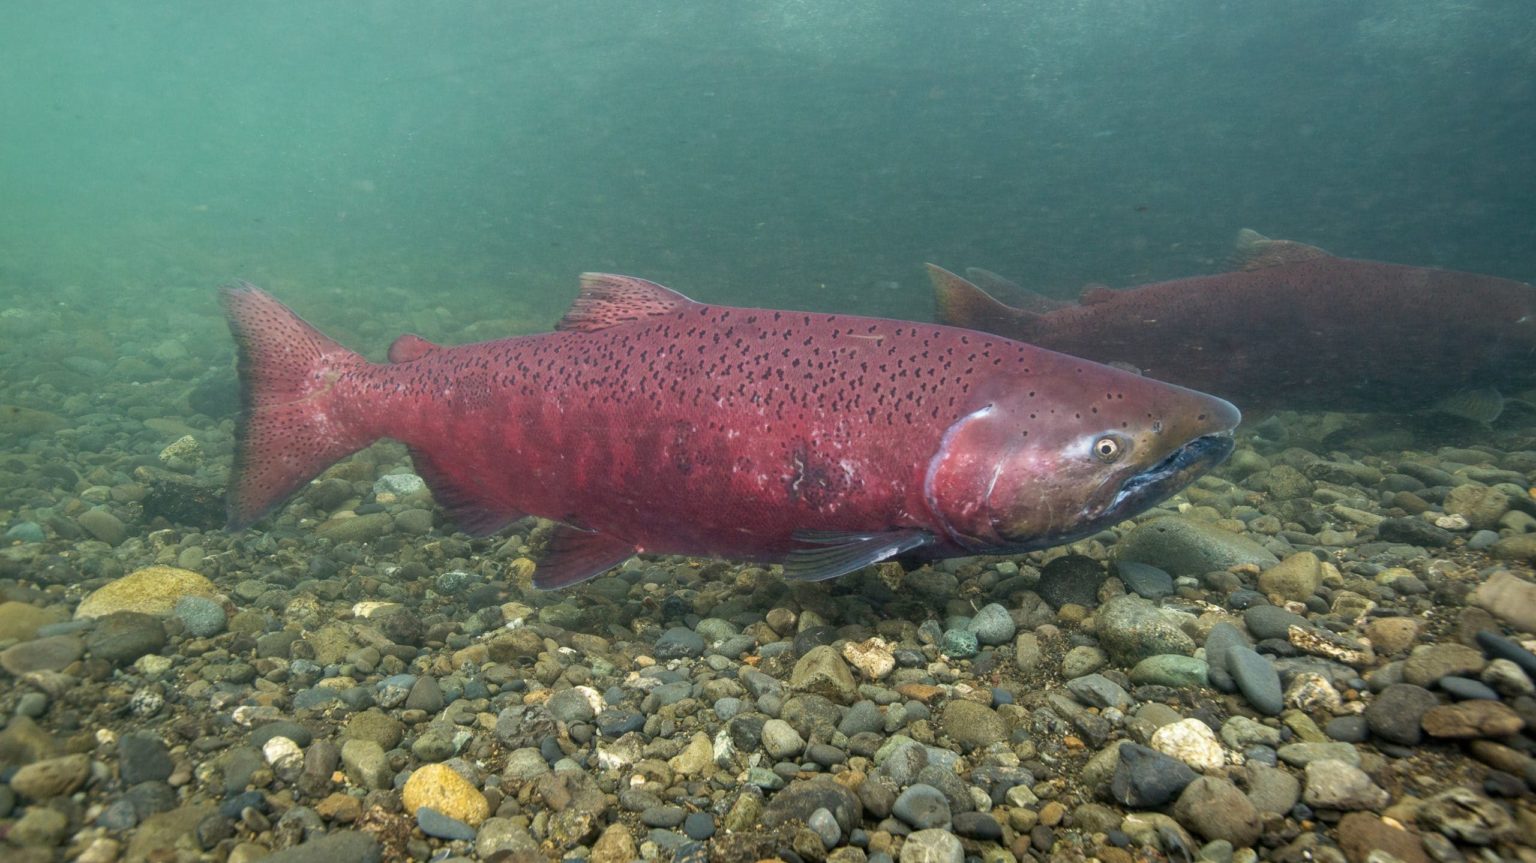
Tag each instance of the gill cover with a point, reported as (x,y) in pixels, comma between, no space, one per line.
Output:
(962,474)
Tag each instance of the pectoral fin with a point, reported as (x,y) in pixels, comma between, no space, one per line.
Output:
(575,555)
(839,553)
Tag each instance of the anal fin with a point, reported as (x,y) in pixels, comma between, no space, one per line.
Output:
(575,555)
(473,509)
(839,553)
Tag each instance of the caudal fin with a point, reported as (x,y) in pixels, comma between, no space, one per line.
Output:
(290,428)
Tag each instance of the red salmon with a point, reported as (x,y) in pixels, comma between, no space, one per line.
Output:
(651,423)
(1295,328)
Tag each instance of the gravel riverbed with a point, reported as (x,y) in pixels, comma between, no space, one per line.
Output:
(1321,652)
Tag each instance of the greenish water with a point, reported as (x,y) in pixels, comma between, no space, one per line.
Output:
(786,153)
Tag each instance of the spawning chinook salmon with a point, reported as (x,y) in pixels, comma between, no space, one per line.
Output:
(1294,329)
(648,422)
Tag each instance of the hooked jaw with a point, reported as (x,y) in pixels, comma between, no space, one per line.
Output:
(1166,477)
(995,488)
(1074,500)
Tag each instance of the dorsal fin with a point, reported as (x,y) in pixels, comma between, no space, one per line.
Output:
(1255,251)
(1014,294)
(607,300)
(1094,294)
(411,347)
(962,304)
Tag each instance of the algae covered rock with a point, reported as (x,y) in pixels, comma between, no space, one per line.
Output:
(153,590)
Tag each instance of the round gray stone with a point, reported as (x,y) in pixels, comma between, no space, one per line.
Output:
(922,807)
(1184,546)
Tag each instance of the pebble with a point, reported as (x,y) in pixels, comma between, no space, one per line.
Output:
(1414,531)
(142,757)
(103,525)
(39,827)
(53,777)
(1096,690)
(1185,546)
(20,621)
(1219,642)
(677,643)
(51,653)
(972,725)
(1257,678)
(1430,662)
(1466,688)
(1396,713)
(202,616)
(992,625)
(821,671)
(1302,754)
(1507,678)
(1132,629)
(1171,670)
(1146,778)
(365,763)
(665,817)
(153,590)
(434,823)
(1192,742)
(932,846)
(1271,621)
(825,827)
(1504,648)
(1295,578)
(1271,789)
(331,848)
(959,644)
(700,826)
(922,806)
(1334,784)
(1214,808)
(26,531)
(873,658)
(1463,815)
(1071,579)
(1144,579)
(1361,834)
(445,790)
(781,740)
(361,527)
(1471,719)
(123,636)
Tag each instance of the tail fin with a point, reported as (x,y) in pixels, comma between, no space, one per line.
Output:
(290,428)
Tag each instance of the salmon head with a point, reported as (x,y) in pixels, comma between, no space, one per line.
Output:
(1066,448)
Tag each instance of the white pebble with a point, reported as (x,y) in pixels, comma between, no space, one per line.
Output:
(1192,742)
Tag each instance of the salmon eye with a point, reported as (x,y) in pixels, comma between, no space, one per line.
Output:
(1107,449)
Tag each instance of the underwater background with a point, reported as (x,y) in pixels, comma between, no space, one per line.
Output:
(396,158)
(1348,602)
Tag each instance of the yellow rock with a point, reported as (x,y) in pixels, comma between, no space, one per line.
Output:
(151,590)
(442,788)
(1295,578)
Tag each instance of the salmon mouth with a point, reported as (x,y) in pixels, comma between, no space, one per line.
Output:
(1176,470)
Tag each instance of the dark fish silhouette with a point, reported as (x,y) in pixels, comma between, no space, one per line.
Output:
(1294,327)
(653,423)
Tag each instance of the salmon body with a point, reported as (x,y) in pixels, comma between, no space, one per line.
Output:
(651,423)
(1295,328)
